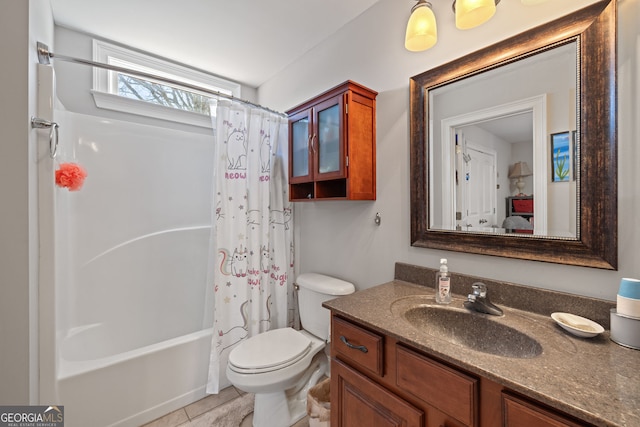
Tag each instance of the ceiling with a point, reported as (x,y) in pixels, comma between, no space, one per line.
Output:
(243,40)
(513,129)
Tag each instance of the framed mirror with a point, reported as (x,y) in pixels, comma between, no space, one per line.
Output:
(514,147)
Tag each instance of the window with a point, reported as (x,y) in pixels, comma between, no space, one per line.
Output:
(153,97)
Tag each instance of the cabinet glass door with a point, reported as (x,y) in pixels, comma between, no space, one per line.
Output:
(328,139)
(300,147)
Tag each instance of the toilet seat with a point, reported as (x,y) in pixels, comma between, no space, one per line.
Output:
(269,351)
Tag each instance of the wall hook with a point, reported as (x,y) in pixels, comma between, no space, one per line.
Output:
(37,123)
(378,219)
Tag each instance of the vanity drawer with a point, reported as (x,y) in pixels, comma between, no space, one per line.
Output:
(521,413)
(357,345)
(451,391)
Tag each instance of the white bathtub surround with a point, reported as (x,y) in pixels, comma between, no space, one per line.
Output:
(251,249)
(132,324)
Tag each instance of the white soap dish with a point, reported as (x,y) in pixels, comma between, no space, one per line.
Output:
(577,325)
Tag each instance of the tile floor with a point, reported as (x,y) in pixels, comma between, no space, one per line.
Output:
(247,422)
(183,417)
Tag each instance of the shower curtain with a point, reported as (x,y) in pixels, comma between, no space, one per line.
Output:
(251,245)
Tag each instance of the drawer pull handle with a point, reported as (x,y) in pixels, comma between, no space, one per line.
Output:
(355,347)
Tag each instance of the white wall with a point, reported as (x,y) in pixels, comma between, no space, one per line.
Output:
(341,239)
(14,155)
(22,23)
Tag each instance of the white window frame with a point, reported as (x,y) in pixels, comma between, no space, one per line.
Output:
(105,84)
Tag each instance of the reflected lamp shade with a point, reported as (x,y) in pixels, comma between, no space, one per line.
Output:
(520,170)
(422,32)
(471,13)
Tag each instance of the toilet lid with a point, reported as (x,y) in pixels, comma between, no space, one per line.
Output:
(268,351)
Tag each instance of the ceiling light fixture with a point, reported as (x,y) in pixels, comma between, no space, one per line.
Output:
(422,30)
(471,13)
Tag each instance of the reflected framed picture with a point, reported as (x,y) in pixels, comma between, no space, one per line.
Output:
(574,150)
(561,157)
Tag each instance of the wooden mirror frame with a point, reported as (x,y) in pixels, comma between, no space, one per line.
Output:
(594,27)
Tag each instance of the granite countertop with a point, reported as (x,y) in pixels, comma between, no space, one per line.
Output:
(593,379)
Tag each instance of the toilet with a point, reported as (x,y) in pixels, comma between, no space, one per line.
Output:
(280,365)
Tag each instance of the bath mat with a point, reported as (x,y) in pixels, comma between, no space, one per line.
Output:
(230,414)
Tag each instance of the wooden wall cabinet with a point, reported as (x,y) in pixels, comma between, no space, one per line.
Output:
(332,145)
(378,381)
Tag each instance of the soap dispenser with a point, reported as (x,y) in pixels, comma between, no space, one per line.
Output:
(443,283)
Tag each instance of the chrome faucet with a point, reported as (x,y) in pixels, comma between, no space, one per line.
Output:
(479,301)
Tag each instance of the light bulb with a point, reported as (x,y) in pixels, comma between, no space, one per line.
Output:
(422,32)
(471,13)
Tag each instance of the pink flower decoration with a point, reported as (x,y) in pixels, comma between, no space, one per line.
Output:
(71,176)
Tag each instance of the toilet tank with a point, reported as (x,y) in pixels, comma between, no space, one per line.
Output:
(313,290)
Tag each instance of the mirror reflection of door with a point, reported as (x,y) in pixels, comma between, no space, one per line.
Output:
(516,132)
(478,187)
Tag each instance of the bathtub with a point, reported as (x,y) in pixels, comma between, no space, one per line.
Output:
(134,387)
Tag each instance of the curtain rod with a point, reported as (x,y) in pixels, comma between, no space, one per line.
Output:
(44,56)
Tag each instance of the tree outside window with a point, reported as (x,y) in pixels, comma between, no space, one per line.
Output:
(162,94)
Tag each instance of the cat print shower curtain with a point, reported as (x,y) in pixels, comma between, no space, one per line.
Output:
(251,246)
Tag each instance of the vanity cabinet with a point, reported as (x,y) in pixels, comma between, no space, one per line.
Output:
(369,404)
(332,145)
(377,380)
